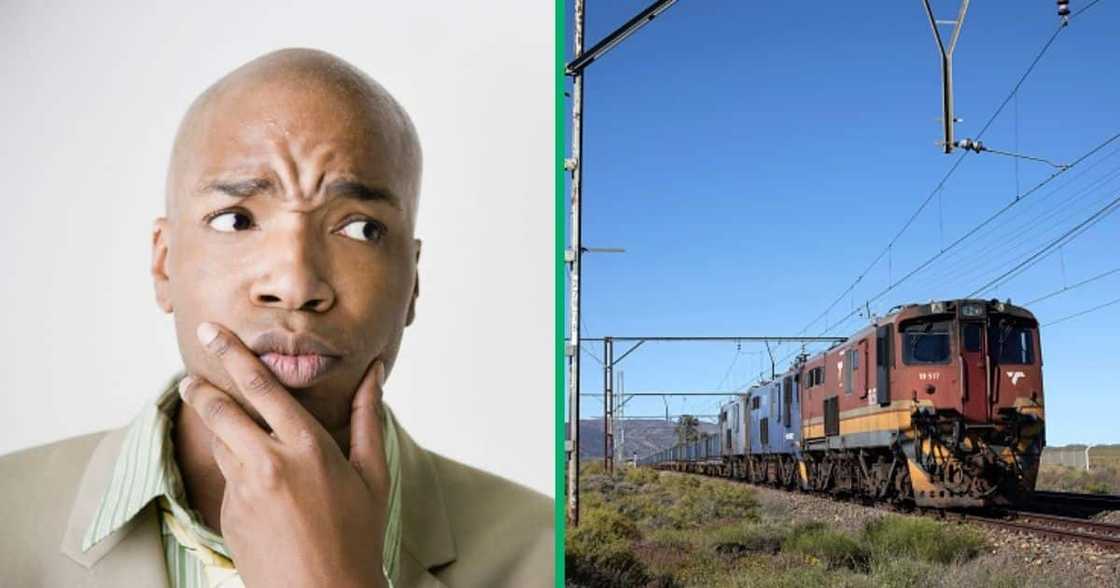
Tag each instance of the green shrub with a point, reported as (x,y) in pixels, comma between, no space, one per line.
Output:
(682,482)
(641,476)
(598,552)
(669,538)
(835,549)
(1095,487)
(740,539)
(792,571)
(894,537)
(904,572)
(1104,478)
(609,565)
(592,467)
(695,503)
(602,525)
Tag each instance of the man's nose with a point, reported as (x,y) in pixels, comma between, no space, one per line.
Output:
(290,277)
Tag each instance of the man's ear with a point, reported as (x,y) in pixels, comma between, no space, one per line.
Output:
(415,288)
(159,264)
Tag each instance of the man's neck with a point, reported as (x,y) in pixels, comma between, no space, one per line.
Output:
(202,480)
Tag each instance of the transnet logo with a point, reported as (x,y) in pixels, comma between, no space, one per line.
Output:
(1015,377)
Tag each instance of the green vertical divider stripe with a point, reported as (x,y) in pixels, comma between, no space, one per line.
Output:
(560,502)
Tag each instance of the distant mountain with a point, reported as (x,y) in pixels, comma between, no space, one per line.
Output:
(643,437)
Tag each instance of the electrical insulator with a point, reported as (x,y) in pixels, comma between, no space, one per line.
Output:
(1063,8)
(970,145)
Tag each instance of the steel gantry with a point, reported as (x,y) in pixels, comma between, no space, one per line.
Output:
(610,402)
(574,254)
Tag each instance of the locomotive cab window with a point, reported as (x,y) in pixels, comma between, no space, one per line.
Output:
(1011,342)
(971,334)
(815,377)
(925,342)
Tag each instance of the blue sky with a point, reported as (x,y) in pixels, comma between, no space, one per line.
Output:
(754,158)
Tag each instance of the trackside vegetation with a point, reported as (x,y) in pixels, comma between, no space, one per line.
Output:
(641,527)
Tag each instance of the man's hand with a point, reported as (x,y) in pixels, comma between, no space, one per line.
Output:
(295,511)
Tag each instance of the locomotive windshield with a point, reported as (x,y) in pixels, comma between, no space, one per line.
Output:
(925,342)
(1011,342)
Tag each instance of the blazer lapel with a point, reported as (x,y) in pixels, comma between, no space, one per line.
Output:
(130,556)
(426,539)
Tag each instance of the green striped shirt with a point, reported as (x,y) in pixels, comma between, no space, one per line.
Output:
(146,470)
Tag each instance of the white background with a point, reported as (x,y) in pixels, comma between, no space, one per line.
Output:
(90,97)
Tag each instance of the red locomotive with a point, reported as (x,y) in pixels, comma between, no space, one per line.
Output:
(936,404)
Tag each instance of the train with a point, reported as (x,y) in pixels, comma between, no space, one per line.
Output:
(936,405)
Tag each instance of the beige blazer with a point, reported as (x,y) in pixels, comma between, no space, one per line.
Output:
(460,526)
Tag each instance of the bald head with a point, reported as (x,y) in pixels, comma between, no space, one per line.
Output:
(291,206)
(304,103)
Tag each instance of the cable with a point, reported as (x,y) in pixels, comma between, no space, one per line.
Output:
(738,352)
(988,220)
(593,356)
(976,228)
(1030,68)
(999,234)
(1083,312)
(952,170)
(1068,288)
(1066,237)
(1003,250)
(1084,8)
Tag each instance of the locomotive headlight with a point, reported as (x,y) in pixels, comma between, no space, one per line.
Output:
(972,310)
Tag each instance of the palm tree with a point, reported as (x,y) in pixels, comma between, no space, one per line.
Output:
(688,428)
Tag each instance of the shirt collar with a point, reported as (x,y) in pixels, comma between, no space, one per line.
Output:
(146,470)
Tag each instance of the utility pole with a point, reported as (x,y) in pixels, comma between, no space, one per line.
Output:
(572,257)
(621,451)
(608,405)
(947,116)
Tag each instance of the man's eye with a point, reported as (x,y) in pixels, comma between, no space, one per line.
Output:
(228,222)
(363,230)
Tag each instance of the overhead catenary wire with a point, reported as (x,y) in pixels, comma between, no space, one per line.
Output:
(952,169)
(1012,241)
(989,219)
(1066,237)
(1073,287)
(734,360)
(995,235)
(895,284)
(1083,312)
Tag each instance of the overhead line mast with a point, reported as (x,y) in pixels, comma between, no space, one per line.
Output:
(1064,14)
(574,254)
(947,118)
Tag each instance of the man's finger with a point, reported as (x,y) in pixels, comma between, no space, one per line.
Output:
(367,446)
(227,461)
(223,416)
(255,381)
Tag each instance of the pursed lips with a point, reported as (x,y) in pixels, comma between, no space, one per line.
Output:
(296,360)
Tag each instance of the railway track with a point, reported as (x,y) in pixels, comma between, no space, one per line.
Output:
(1105,535)
(1035,517)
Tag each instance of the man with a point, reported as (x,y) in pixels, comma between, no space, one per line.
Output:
(289,262)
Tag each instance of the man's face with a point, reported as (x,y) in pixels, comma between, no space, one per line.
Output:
(291,224)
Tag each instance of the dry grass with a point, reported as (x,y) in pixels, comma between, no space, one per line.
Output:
(1102,478)
(642,528)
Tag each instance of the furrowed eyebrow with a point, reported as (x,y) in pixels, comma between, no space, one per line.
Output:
(240,188)
(362,193)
